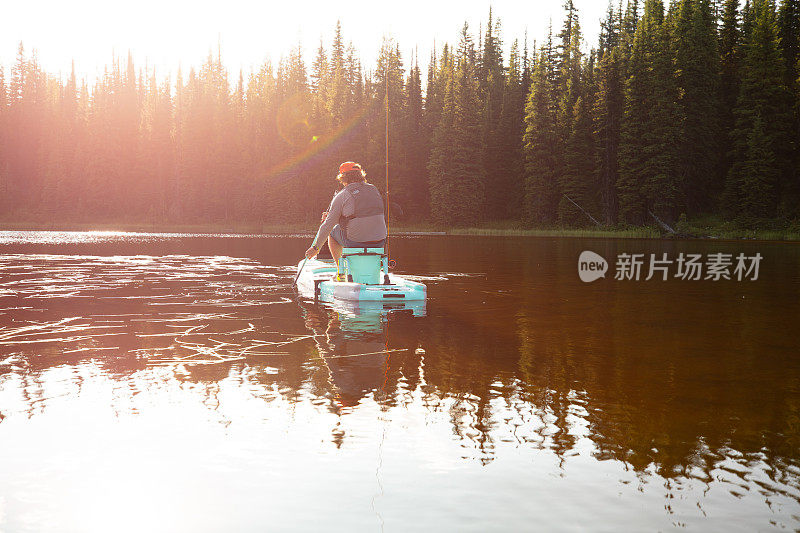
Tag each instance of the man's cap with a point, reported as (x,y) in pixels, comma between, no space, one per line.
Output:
(347,166)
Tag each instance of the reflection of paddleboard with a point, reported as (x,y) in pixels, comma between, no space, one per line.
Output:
(316,281)
(355,354)
(371,316)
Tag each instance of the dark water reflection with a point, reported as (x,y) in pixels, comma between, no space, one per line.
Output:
(176,381)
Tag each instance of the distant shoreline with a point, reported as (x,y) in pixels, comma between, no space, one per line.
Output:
(499,230)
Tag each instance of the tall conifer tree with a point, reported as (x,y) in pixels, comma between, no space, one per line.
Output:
(573,177)
(730,59)
(649,179)
(509,175)
(490,86)
(763,125)
(541,144)
(457,172)
(694,40)
(608,110)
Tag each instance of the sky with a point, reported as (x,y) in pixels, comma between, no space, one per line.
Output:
(168,33)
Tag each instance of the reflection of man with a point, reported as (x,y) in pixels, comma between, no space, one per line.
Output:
(354,375)
(355,218)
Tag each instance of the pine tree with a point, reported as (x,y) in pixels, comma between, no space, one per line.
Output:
(442,145)
(789,33)
(355,88)
(337,89)
(730,60)
(632,157)
(649,178)
(510,169)
(608,110)
(568,53)
(177,207)
(388,79)
(438,70)
(760,172)
(457,176)
(527,66)
(572,181)
(577,183)
(763,98)
(490,86)
(541,145)
(748,21)
(318,85)
(410,188)
(629,24)
(696,62)
(3,143)
(18,76)
(296,78)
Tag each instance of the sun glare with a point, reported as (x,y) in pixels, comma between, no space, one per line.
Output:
(166,35)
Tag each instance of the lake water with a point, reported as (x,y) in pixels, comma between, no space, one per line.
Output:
(176,383)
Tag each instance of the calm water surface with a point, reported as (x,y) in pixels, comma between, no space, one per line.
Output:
(175,383)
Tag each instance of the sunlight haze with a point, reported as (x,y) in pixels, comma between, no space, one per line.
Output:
(168,34)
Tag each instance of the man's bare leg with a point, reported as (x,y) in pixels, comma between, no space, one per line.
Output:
(336,251)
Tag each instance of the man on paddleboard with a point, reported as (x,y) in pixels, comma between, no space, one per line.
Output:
(355,218)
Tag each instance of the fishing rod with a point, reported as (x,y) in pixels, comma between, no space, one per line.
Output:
(386,76)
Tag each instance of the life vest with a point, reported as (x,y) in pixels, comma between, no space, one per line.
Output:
(367,202)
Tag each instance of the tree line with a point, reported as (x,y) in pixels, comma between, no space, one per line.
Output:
(680,110)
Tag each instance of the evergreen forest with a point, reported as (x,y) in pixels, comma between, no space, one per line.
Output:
(685,109)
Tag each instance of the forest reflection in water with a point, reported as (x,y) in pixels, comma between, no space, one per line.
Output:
(688,392)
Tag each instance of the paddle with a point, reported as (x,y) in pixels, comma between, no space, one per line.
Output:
(300,270)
